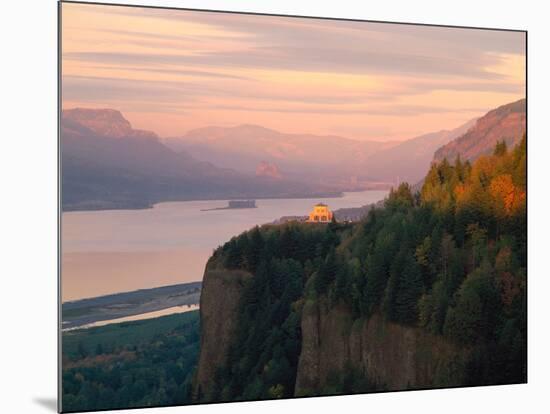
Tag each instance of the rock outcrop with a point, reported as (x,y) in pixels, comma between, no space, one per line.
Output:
(269,170)
(220,299)
(393,357)
(507,122)
(102,122)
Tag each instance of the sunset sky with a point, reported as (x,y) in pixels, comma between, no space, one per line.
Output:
(171,71)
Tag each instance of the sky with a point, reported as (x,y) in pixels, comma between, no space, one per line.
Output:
(171,71)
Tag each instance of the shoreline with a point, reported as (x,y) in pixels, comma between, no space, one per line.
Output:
(227,208)
(124,292)
(152,205)
(134,318)
(132,305)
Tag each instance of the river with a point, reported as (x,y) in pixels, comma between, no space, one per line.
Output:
(138,317)
(122,250)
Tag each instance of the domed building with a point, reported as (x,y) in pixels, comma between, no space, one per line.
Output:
(320,214)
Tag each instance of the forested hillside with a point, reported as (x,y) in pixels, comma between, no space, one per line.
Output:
(446,266)
(143,363)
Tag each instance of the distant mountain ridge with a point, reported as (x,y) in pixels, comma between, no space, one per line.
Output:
(101,122)
(109,164)
(330,159)
(410,159)
(106,164)
(244,146)
(507,122)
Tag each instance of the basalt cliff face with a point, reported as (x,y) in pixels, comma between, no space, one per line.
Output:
(219,315)
(391,356)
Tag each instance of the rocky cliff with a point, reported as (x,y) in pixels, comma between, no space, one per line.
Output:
(390,356)
(218,313)
(267,169)
(101,122)
(507,122)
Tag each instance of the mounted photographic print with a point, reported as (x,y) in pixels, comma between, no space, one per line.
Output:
(257,207)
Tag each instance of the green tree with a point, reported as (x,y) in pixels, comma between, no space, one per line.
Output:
(404,289)
(400,198)
(473,318)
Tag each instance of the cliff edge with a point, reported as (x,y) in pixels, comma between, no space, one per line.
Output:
(389,355)
(220,298)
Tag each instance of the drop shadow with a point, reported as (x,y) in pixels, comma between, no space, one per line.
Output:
(48,403)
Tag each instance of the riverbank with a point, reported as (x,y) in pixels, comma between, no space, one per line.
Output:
(129,306)
(138,317)
(146,205)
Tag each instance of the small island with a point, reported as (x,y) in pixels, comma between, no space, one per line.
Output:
(235,204)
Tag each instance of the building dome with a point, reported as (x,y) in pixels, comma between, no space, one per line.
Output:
(320,214)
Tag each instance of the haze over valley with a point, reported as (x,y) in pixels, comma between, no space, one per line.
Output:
(108,164)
